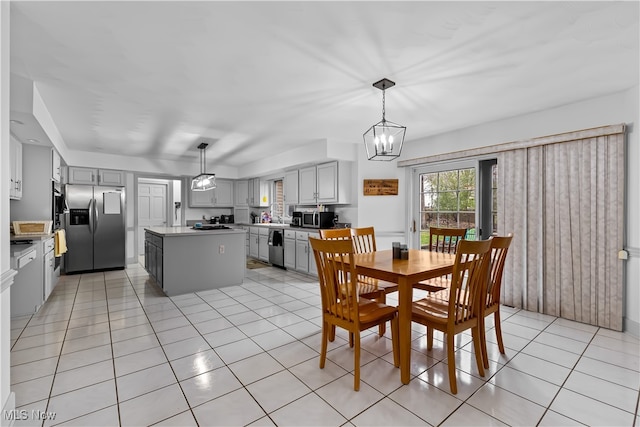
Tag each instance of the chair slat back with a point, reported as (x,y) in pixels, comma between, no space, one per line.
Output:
(445,239)
(336,234)
(339,295)
(468,279)
(364,240)
(498,255)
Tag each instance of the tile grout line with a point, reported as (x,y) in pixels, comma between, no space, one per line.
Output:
(166,357)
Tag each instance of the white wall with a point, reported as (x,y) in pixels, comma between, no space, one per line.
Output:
(621,107)
(7,401)
(387,214)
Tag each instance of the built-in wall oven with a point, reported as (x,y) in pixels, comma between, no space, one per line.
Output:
(58,209)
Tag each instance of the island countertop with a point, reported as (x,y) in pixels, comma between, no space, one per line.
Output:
(189,231)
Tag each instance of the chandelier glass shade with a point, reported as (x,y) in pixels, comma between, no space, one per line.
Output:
(383,141)
(205,181)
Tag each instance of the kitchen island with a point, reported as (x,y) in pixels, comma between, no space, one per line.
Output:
(183,259)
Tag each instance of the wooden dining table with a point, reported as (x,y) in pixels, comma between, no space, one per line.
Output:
(421,265)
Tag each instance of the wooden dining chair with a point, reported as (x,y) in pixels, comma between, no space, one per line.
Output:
(445,239)
(367,288)
(342,306)
(458,308)
(441,240)
(364,239)
(498,255)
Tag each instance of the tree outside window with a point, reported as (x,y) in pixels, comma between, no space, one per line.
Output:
(448,199)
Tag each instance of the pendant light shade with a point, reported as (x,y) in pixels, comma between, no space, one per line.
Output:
(204,181)
(383,141)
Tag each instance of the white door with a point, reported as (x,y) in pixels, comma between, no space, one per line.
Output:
(152,209)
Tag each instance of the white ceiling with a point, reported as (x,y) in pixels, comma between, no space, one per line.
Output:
(153,79)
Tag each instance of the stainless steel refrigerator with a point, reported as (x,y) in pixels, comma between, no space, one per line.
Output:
(95,228)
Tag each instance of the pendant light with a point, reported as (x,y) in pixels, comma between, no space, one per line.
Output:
(383,141)
(204,181)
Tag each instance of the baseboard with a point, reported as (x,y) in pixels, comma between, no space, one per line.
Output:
(9,413)
(631,327)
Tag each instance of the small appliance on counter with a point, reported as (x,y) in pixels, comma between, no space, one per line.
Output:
(227,219)
(296,219)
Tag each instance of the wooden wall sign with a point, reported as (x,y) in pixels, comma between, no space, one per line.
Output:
(380,187)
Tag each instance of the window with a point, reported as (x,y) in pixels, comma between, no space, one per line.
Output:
(447,199)
(277,209)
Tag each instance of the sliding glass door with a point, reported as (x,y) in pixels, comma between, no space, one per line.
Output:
(456,195)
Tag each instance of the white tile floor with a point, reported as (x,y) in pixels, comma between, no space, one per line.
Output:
(109,349)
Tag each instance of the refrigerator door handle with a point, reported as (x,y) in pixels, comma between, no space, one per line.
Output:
(91,201)
(95,220)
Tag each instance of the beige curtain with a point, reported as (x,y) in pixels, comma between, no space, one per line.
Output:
(564,202)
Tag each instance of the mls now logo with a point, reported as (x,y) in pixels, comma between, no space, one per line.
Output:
(23,414)
(16,415)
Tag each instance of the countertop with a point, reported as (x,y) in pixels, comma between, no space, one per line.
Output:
(14,237)
(189,231)
(267,225)
(19,250)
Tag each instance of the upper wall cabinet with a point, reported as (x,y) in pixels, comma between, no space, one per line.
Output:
(221,196)
(291,187)
(224,193)
(251,192)
(326,183)
(258,193)
(95,176)
(15,179)
(242,193)
(55,166)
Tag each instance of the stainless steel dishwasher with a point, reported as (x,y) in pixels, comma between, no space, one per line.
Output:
(276,247)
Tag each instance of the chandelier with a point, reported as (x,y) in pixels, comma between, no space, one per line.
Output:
(383,141)
(204,181)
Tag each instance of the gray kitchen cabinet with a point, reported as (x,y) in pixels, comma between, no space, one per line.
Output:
(49,267)
(302,251)
(290,249)
(153,256)
(254,241)
(326,183)
(36,198)
(242,193)
(15,166)
(201,199)
(93,176)
(305,261)
(56,172)
(241,215)
(221,196)
(111,177)
(258,193)
(291,187)
(307,186)
(312,270)
(263,244)
(82,175)
(302,256)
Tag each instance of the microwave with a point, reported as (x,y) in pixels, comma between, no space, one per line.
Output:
(317,219)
